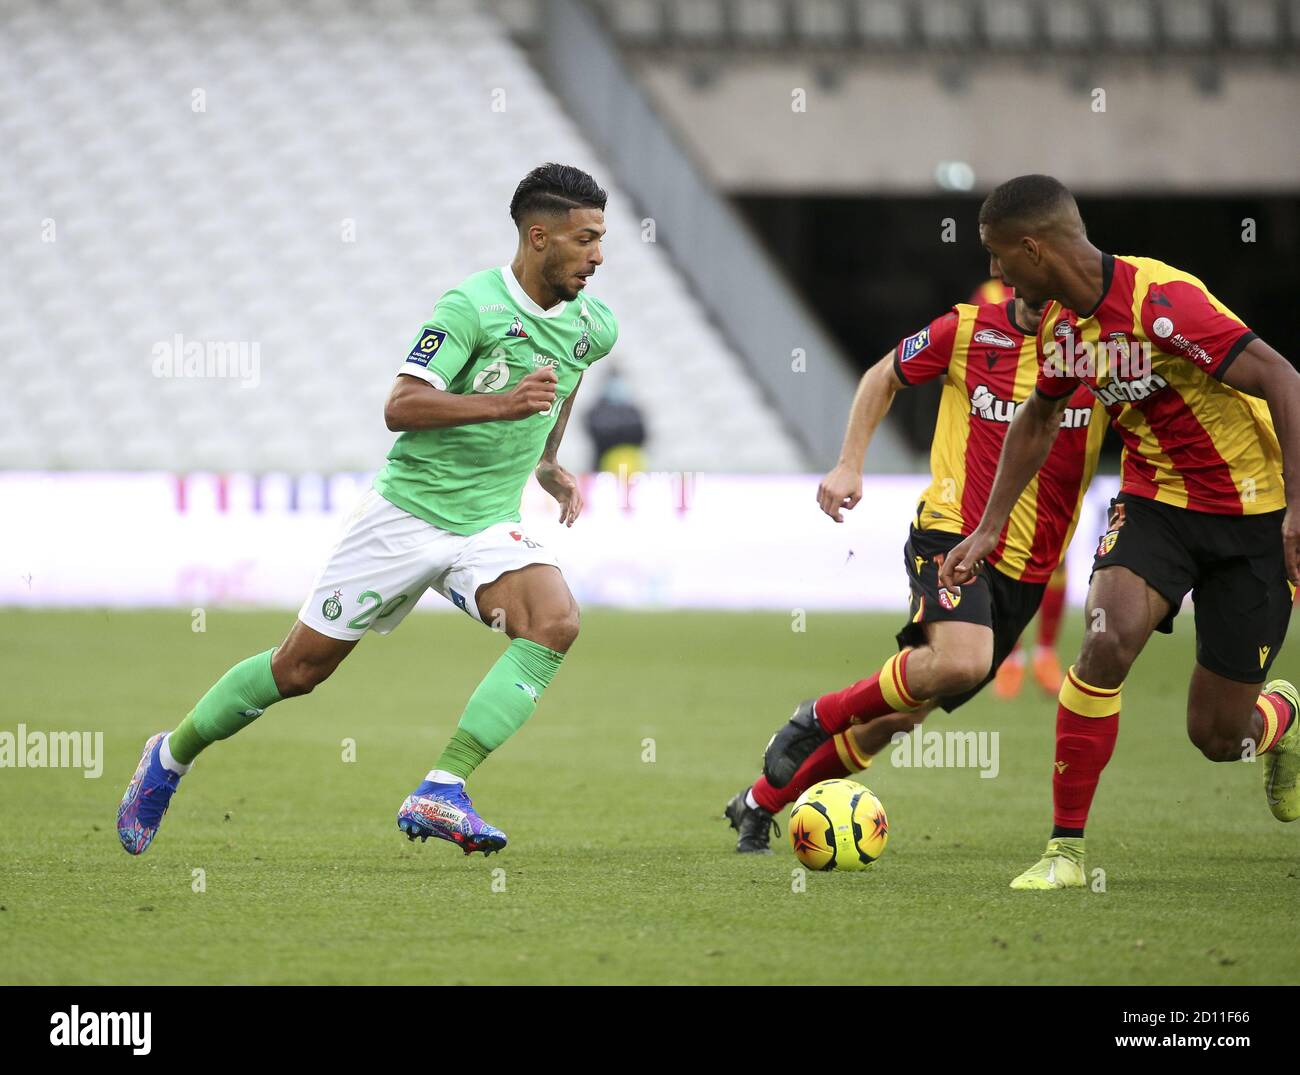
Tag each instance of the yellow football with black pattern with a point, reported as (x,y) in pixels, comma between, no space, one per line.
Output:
(838,825)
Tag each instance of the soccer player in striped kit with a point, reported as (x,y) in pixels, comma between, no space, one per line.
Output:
(955,637)
(1209,503)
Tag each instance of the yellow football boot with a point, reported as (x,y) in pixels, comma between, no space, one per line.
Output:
(1060,867)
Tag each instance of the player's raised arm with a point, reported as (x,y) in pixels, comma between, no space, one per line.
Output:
(1029,440)
(416,404)
(554,478)
(1260,371)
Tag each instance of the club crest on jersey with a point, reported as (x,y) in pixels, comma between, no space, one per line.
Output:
(427,346)
(332,609)
(516,327)
(583,345)
(1107,542)
(949,599)
(994,338)
(914,344)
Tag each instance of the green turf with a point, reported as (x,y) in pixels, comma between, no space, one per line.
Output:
(618,870)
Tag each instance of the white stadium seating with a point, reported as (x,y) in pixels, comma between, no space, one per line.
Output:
(192,170)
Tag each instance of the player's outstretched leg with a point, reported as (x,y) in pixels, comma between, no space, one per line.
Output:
(954,658)
(534,607)
(303,660)
(816,720)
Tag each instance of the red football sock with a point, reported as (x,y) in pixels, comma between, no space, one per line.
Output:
(1049,614)
(885,692)
(1087,724)
(1277,716)
(835,757)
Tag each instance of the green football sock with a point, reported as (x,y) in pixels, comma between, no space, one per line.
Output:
(462,754)
(500,704)
(236,700)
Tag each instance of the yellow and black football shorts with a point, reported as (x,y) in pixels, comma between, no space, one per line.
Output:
(1232,565)
(992,599)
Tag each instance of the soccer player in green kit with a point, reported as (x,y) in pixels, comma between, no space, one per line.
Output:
(480,403)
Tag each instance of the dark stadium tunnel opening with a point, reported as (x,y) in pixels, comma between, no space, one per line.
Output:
(877,268)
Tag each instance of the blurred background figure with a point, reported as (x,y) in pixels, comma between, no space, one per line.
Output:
(616,426)
(1046,664)
(992,290)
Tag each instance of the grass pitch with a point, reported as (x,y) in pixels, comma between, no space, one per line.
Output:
(619,869)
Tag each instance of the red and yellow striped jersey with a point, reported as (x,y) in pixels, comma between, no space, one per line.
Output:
(1154,352)
(990,365)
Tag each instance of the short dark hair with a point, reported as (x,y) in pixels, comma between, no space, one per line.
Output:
(555,188)
(1027,199)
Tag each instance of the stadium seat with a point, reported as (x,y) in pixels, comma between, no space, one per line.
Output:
(281,177)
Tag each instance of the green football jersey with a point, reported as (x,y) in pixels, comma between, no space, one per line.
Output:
(485,336)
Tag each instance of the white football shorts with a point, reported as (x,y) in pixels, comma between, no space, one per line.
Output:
(386,558)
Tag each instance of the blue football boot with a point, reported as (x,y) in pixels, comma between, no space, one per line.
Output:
(444,811)
(140,813)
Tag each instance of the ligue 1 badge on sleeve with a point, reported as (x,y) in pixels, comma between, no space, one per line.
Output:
(332,609)
(583,345)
